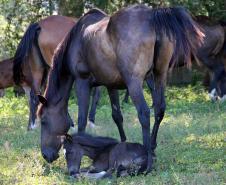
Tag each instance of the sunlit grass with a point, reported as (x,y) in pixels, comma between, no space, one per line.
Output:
(191,141)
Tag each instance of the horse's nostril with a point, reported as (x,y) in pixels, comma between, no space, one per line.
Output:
(72,173)
(44,156)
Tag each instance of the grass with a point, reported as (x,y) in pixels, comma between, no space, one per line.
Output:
(191,142)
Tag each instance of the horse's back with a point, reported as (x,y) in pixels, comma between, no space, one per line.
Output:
(214,35)
(126,36)
(53,30)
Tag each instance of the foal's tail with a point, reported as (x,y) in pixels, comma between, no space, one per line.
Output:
(98,142)
(180,28)
(23,50)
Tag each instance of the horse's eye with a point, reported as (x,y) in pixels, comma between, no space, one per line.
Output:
(43,121)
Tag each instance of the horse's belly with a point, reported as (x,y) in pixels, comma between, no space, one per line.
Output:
(102,62)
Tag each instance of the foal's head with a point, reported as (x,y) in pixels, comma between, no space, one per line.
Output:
(73,155)
(84,144)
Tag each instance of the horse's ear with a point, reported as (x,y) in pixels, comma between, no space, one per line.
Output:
(42,99)
(68,137)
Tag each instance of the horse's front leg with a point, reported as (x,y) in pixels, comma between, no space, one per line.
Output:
(83,95)
(143,111)
(218,73)
(95,100)
(116,112)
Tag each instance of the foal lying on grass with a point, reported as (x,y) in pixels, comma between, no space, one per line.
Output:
(108,156)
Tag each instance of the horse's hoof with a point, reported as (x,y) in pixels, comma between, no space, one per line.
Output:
(91,124)
(213,95)
(149,164)
(34,126)
(223,99)
(72,130)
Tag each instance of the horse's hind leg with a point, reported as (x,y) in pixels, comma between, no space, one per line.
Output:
(150,84)
(126,97)
(83,95)
(95,100)
(116,112)
(160,73)
(159,109)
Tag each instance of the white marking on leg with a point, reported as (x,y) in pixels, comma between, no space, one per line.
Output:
(213,95)
(91,124)
(27,91)
(64,152)
(93,175)
(36,123)
(223,98)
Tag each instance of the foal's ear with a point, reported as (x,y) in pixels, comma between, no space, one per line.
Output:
(68,138)
(42,99)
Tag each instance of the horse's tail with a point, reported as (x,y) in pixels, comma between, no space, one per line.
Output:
(180,28)
(23,50)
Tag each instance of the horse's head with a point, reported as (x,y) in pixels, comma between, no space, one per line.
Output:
(55,122)
(73,154)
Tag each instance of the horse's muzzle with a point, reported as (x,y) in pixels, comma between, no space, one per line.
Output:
(50,155)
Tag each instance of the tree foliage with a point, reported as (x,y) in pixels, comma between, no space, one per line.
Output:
(16,15)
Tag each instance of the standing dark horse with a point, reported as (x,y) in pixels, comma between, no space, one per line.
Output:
(108,155)
(211,55)
(33,57)
(119,52)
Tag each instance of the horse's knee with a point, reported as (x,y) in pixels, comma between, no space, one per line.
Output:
(117,116)
(82,120)
(162,110)
(144,117)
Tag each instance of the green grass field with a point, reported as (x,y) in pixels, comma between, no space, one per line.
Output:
(191,142)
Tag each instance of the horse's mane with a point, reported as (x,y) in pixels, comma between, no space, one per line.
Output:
(60,60)
(97,142)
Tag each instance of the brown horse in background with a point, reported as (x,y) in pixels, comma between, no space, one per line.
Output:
(33,57)
(120,51)
(6,73)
